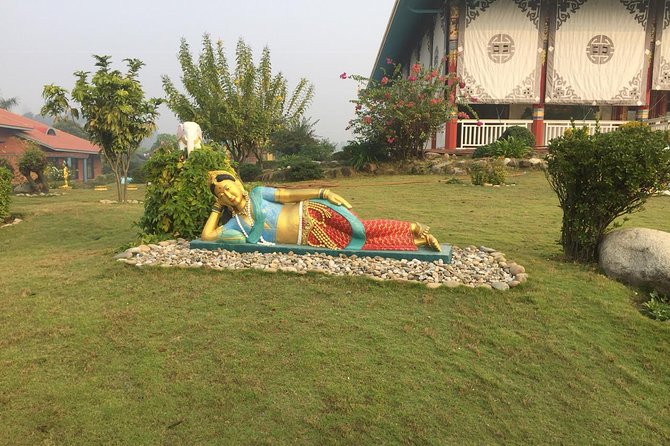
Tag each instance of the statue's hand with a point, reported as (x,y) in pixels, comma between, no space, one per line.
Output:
(336,199)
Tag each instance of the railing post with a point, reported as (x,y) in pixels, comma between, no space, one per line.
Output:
(538,124)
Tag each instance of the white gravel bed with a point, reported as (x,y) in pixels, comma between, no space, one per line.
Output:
(471,266)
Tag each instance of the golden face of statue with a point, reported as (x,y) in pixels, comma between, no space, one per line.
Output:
(228,189)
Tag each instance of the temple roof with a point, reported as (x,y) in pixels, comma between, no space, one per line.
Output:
(406,20)
(44,135)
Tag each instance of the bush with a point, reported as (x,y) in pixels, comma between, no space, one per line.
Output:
(360,153)
(7,165)
(520,133)
(178,200)
(488,172)
(511,147)
(304,169)
(601,177)
(34,160)
(5,191)
(250,172)
(104,179)
(658,307)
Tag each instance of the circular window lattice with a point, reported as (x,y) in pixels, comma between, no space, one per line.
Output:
(600,49)
(500,48)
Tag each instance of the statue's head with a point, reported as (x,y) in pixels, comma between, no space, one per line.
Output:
(226,185)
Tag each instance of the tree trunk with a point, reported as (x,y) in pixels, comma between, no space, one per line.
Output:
(44,184)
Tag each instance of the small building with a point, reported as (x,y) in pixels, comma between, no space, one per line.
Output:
(538,63)
(81,156)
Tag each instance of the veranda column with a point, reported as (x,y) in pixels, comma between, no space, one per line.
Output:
(451,127)
(537,127)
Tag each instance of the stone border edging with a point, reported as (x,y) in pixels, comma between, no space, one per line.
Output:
(471,266)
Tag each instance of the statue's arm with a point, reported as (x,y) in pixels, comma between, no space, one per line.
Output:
(213,232)
(296,195)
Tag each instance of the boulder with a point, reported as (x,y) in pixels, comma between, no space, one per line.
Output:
(23,188)
(637,256)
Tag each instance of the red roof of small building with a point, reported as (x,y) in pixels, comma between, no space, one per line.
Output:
(44,135)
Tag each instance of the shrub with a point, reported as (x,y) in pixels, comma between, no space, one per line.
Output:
(5,191)
(488,172)
(7,165)
(34,160)
(510,147)
(403,111)
(250,172)
(304,169)
(520,133)
(601,177)
(178,200)
(658,307)
(104,178)
(360,153)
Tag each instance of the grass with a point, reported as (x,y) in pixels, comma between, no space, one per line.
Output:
(96,352)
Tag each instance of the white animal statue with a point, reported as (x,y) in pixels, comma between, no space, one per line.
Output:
(189,136)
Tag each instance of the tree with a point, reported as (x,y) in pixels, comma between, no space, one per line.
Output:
(299,138)
(8,103)
(71,127)
(117,115)
(164,140)
(403,112)
(34,161)
(238,109)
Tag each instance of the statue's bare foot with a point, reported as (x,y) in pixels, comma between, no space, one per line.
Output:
(420,230)
(432,242)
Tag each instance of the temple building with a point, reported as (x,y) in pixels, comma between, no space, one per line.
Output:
(81,156)
(538,63)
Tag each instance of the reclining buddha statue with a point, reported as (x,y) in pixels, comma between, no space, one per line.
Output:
(315,217)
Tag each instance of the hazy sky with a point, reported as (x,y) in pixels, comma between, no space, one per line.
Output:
(45,41)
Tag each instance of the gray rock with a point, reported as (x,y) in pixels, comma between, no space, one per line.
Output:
(515,269)
(500,286)
(637,256)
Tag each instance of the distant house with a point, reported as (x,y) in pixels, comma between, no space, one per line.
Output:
(538,63)
(81,156)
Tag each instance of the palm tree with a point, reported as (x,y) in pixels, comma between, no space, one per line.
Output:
(8,103)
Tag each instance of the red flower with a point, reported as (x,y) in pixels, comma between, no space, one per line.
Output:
(435,101)
(389,61)
(387,96)
(411,104)
(473,99)
(434,73)
(463,115)
(390,140)
(416,68)
(480,123)
(428,77)
(385,80)
(411,78)
(461,84)
(367,119)
(343,75)
(358,106)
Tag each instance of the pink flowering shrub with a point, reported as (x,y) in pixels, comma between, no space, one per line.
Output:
(402,113)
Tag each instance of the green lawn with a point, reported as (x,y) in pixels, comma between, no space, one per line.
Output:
(96,352)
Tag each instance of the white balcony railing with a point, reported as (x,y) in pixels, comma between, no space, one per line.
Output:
(489,130)
(473,135)
(662,123)
(554,129)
